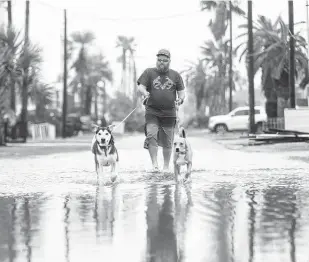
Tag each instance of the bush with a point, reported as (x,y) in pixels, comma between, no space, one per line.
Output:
(120,106)
(135,122)
(198,122)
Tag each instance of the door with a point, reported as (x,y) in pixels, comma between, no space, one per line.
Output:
(239,120)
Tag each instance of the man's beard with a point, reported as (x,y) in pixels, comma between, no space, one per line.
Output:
(162,68)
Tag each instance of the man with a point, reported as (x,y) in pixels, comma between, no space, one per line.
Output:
(164,90)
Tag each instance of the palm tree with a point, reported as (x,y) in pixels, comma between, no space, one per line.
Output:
(9,38)
(99,71)
(83,39)
(271,55)
(216,56)
(222,9)
(4,92)
(196,79)
(218,27)
(127,45)
(42,96)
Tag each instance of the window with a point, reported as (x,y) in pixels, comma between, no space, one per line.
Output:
(257,111)
(242,113)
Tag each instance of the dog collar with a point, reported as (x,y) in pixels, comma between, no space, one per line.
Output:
(182,153)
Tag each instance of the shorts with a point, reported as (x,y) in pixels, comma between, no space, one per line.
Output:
(159,131)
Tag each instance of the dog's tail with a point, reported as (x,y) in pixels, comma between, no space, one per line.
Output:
(182,132)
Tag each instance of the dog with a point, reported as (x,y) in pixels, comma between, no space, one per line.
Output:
(182,155)
(105,152)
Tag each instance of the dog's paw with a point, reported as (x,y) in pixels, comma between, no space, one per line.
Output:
(113,178)
(181,179)
(187,179)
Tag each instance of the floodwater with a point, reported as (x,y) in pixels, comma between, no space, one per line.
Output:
(245,207)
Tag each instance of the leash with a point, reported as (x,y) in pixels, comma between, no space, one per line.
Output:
(115,126)
(144,101)
(177,116)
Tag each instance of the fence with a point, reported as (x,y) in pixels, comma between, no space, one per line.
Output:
(42,131)
(276,122)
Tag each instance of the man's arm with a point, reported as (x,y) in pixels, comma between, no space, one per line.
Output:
(142,83)
(180,87)
(142,90)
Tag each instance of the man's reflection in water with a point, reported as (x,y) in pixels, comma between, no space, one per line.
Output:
(167,222)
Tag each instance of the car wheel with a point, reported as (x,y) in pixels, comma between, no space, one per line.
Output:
(221,129)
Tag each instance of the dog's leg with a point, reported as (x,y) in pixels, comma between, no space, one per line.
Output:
(113,172)
(189,168)
(176,171)
(96,167)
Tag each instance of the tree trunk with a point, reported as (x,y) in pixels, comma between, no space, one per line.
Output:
(2,133)
(124,70)
(135,96)
(282,103)
(88,100)
(96,104)
(83,92)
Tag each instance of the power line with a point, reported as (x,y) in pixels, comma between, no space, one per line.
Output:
(121,19)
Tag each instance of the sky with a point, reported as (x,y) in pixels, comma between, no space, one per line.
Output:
(176,25)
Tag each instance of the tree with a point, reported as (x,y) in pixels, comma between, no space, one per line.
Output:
(218,27)
(99,71)
(222,8)
(271,55)
(83,40)
(10,39)
(127,45)
(42,96)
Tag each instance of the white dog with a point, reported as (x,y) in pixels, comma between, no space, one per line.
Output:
(182,155)
(105,151)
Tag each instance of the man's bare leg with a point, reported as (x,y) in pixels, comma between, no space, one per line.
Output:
(153,152)
(167,152)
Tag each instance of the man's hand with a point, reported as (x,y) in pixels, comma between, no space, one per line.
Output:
(179,101)
(145,97)
(146,94)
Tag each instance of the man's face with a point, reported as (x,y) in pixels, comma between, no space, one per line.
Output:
(163,63)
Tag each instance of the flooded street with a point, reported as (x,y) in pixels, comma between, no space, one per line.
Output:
(241,206)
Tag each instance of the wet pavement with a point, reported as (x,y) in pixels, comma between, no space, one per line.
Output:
(241,206)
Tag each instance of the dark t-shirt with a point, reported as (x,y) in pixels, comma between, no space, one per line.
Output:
(162,88)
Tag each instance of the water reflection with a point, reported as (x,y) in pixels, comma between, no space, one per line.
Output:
(154,223)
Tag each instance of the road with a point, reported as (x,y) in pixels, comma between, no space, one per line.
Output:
(241,205)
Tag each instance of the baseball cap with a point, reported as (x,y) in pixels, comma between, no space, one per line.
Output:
(164,52)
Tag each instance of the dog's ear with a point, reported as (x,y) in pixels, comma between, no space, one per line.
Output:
(182,132)
(93,145)
(95,128)
(111,128)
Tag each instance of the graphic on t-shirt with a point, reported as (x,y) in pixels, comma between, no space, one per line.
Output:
(167,84)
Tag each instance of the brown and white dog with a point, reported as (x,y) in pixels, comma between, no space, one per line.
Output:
(182,155)
(105,152)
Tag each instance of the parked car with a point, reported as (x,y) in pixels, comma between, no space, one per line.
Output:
(237,120)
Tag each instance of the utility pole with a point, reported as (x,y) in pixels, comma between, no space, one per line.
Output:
(12,82)
(231,61)
(251,70)
(24,110)
(292,55)
(64,102)
(307,40)
(9,13)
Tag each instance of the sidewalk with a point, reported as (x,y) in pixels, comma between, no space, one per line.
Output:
(46,147)
(292,150)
